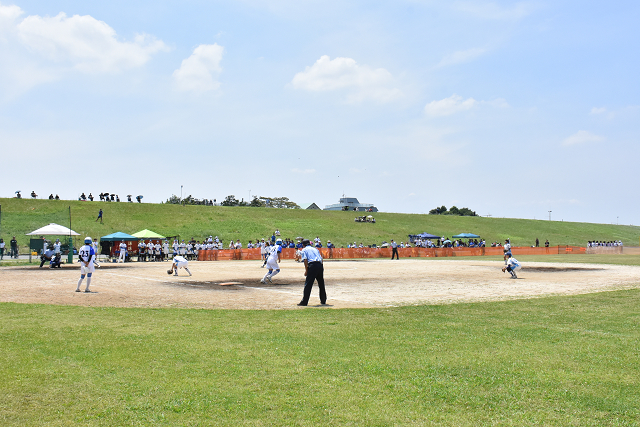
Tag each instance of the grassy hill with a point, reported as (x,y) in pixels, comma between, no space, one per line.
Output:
(245,223)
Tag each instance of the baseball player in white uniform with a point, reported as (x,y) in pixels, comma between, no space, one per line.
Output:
(179,262)
(94,245)
(86,255)
(123,252)
(56,247)
(507,250)
(272,261)
(512,266)
(165,250)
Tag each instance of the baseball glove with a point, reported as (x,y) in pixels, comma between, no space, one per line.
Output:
(169,271)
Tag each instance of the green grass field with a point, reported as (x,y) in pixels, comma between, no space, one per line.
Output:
(22,216)
(548,361)
(556,361)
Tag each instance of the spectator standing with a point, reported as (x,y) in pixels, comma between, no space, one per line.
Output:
(546,243)
(14,247)
(2,245)
(99,216)
(537,243)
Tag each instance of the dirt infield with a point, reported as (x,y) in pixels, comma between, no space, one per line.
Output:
(350,283)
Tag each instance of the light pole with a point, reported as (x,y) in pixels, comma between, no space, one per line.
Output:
(550,215)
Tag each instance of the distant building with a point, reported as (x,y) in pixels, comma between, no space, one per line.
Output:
(309,206)
(351,203)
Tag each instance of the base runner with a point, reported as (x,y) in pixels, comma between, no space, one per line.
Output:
(272,261)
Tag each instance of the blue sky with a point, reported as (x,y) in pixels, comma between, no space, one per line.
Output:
(512,109)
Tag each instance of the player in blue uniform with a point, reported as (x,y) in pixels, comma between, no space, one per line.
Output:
(86,254)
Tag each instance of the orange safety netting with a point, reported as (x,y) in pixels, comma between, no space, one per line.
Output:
(354,253)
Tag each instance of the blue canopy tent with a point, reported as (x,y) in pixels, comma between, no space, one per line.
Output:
(118,236)
(107,242)
(423,236)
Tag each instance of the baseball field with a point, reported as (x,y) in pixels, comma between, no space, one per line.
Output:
(408,342)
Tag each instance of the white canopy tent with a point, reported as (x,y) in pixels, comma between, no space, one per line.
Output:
(53,230)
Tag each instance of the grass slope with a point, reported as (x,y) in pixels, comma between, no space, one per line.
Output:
(549,361)
(22,216)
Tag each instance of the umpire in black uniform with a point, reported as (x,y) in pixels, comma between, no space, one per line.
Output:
(313,270)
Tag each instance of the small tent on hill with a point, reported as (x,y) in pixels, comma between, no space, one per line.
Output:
(148,234)
(422,236)
(466,236)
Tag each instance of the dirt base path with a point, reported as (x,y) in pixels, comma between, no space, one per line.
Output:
(355,283)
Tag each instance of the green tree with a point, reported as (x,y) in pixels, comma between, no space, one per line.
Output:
(174,200)
(279,202)
(230,201)
(257,203)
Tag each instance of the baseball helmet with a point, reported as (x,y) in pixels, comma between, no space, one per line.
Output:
(87,240)
(278,241)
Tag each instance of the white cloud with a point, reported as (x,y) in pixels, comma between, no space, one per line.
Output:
(360,81)
(8,14)
(200,71)
(448,106)
(461,56)
(495,11)
(455,104)
(88,44)
(596,110)
(581,137)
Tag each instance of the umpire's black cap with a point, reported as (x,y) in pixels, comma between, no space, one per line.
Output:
(306,242)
